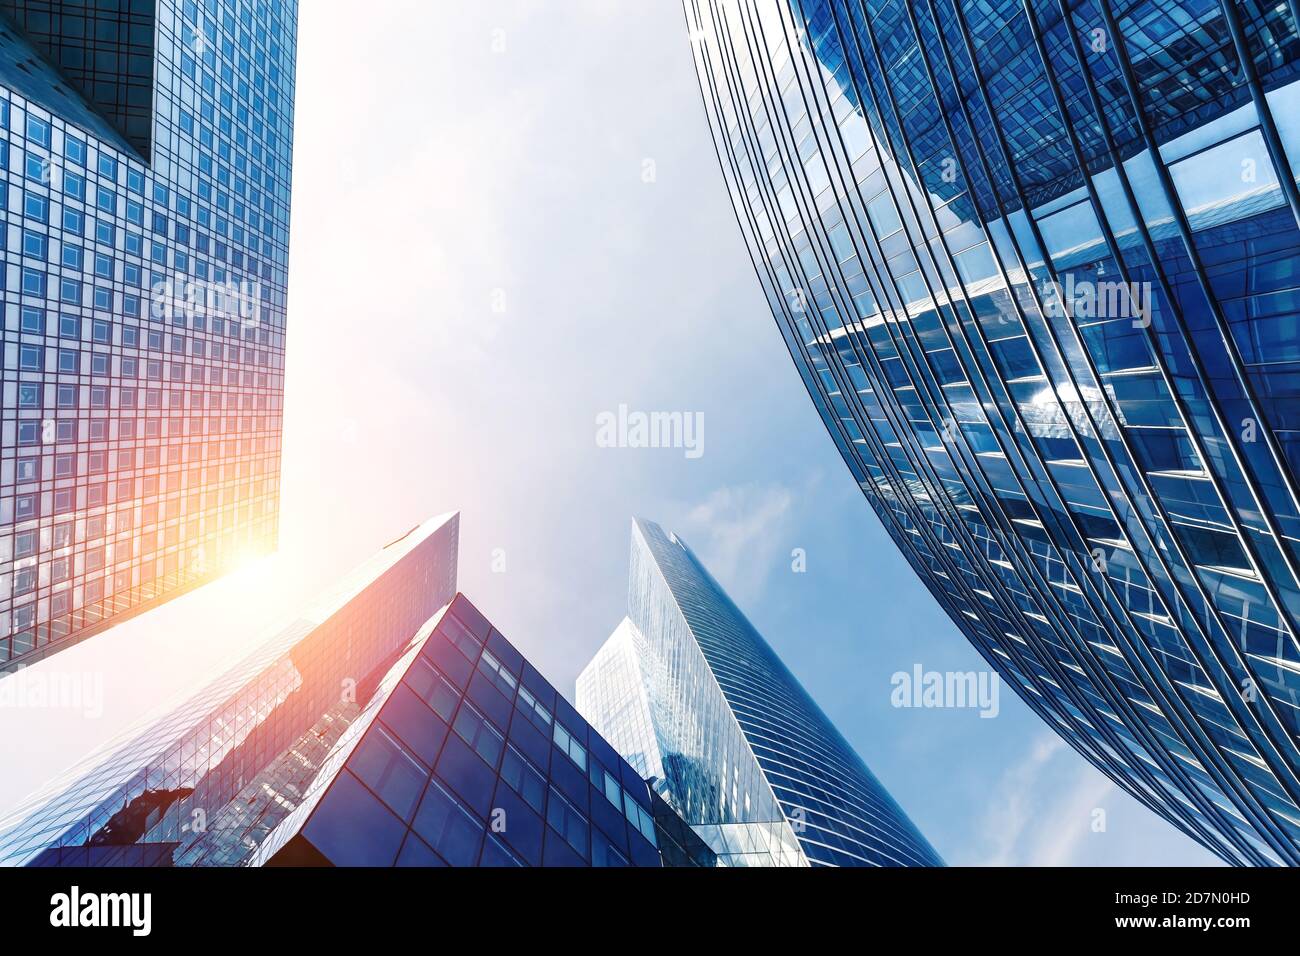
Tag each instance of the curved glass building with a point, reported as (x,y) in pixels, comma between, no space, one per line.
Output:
(1037,262)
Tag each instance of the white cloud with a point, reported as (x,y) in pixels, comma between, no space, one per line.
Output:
(1012,806)
(738,531)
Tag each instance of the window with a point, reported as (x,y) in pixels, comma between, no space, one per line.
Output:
(24,544)
(475,730)
(24,580)
(34,283)
(393,774)
(38,130)
(429,685)
(535,712)
(603,852)
(39,169)
(639,817)
(497,673)
(448,827)
(613,792)
(567,821)
(74,149)
(496,854)
(35,245)
(523,779)
(456,632)
(574,750)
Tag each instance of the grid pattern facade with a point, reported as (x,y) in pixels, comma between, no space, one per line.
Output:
(105,49)
(143,319)
(467,756)
(1100,489)
(748,758)
(168,791)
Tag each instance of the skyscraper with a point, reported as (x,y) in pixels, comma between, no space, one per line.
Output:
(390,724)
(693,697)
(205,783)
(146,148)
(467,756)
(1036,263)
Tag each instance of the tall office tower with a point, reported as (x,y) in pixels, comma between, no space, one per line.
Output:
(389,725)
(695,699)
(205,783)
(1036,263)
(145,147)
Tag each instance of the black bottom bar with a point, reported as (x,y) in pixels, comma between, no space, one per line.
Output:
(300,906)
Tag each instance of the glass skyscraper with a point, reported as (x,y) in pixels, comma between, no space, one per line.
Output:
(467,756)
(206,782)
(388,725)
(1038,265)
(693,697)
(145,147)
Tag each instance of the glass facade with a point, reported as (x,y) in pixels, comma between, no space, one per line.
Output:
(145,150)
(467,756)
(696,700)
(1038,265)
(206,783)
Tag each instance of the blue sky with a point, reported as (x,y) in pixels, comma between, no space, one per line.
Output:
(480,269)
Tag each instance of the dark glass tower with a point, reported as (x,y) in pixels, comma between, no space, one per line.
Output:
(698,703)
(146,148)
(467,756)
(1038,264)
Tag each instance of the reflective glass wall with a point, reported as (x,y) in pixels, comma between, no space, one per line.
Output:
(467,756)
(206,783)
(1038,265)
(145,150)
